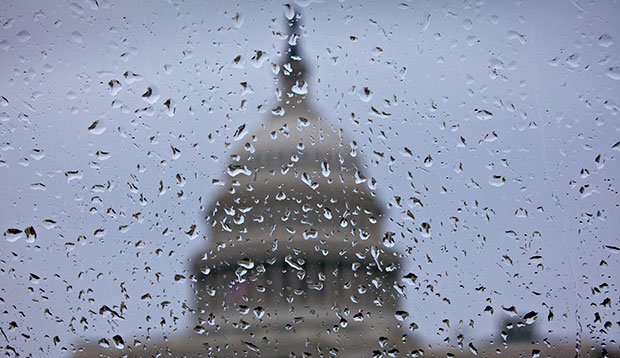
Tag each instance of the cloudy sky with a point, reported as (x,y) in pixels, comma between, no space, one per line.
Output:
(500,117)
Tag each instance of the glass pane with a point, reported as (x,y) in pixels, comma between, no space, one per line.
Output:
(313,179)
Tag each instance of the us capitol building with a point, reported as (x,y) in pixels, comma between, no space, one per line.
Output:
(296,265)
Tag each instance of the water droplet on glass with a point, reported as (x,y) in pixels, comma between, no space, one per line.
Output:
(258,59)
(497,180)
(388,239)
(23,36)
(31,234)
(365,94)
(483,114)
(151,95)
(605,40)
(300,87)
(530,317)
(237,20)
(96,128)
(401,315)
(325,169)
(12,235)
(77,37)
(246,263)
(613,72)
(259,312)
(428,161)
(73,175)
(119,343)
(240,132)
(131,77)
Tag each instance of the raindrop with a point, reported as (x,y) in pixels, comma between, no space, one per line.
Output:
(278,111)
(115,86)
(170,107)
(258,59)
(73,175)
(401,315)
(49,224)
(497,180)
(131,77)
(289,260)
(151,95)
(510,310)
(12,235)
(238,62)
(77,9)
(410,278)
(246,263)
(573,60)
(613,249)
(310,234)
(388,239)
(119,343)
(236,169)
(613,73)
(327,213)
(605,40)
(259,312)
(473,349)
(237,20)
(483,114)
(240,132)
(425,229)
(37,154)
(252,347)
(365,94)
(530,317)
(77,37)
(467,24)
(428,161)
(31,234)
(96,128)
(300,87)
(325,169)
(289,11)
(176,152)
(23,36)
(302,122)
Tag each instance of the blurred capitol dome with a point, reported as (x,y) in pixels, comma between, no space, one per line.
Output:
(295,265)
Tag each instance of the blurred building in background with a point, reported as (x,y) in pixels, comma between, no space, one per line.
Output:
(296,264)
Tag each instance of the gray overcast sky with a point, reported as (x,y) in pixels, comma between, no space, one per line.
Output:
(514,104)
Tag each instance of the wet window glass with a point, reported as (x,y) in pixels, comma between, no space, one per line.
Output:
(309,179)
